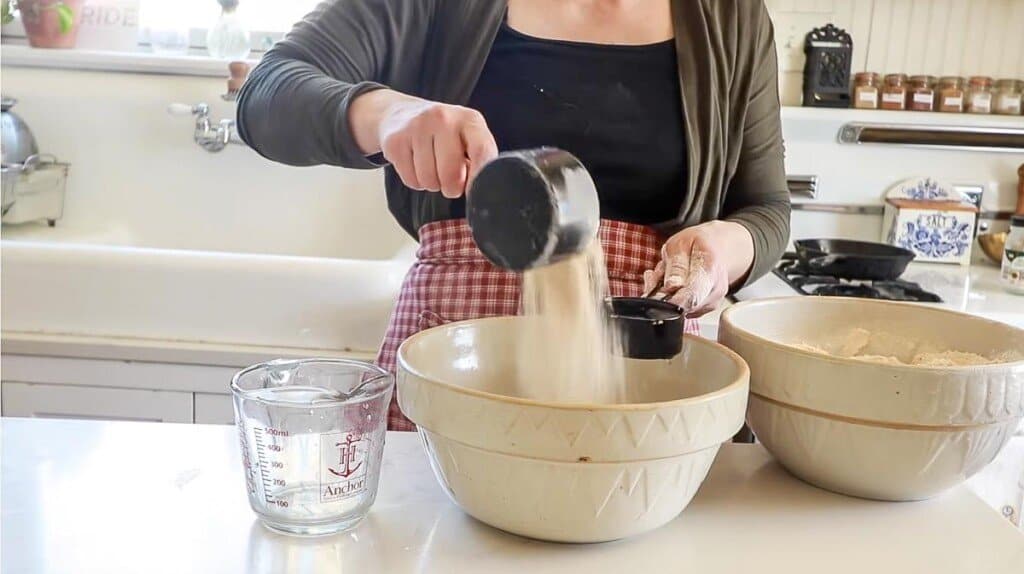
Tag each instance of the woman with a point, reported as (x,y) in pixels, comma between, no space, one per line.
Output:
(672,105)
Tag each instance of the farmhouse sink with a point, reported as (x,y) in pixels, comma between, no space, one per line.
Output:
(289,276)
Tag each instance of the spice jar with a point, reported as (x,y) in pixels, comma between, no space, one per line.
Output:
(1012,272)
(1008,97)
(921,94)
(951,94)
(979,95)
(894,92)
(865,90)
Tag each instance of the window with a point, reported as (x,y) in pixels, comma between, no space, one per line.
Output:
(167,28)
(261,16)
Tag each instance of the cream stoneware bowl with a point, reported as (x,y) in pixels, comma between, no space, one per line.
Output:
(873,430)
(567,472)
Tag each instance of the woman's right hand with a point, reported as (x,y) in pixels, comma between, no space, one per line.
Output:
(432,146)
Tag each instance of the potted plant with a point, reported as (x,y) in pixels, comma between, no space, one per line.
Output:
(48,23)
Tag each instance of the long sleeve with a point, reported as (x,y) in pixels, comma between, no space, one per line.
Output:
(757,195)
(294,107)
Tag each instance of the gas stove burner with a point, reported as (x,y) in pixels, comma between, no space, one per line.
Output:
(841,290)
(805,282)
(898,290)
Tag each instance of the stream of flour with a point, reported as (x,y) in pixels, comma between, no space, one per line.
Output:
(569,352)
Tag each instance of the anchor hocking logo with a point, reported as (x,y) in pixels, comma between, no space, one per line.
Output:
(344,460)
(348,463)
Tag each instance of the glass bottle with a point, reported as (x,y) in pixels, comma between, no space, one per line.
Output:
(1008,97)
(894,92)
(921,94)
(979,95)
(228,39)
(951,94)
(865,90)
(1012,271)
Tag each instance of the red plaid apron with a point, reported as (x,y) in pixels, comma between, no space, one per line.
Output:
(452,281)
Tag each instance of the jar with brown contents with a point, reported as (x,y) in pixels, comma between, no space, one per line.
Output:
(894,92)
(921,94)
(865,90)
(1008,97)
(951,94)
(979,95)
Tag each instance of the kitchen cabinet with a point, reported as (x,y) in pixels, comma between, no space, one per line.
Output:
(73,387)
(211,408)
(76,401)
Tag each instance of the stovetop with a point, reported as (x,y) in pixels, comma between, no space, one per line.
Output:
(796,275)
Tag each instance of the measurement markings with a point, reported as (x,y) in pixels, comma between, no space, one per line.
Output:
(265,479)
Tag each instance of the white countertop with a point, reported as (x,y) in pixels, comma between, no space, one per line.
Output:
(111,497)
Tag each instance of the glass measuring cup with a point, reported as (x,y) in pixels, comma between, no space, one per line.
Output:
(312,435)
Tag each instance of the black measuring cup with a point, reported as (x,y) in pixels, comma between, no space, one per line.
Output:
(531,208)
(650,328)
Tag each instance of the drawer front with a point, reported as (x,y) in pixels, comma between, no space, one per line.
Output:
(102,403)
(214,409)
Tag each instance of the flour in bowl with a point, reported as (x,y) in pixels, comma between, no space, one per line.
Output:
(864,345)
(570,352)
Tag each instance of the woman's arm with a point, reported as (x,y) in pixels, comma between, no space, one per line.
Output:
(702,263)
(758,196)
(294,107)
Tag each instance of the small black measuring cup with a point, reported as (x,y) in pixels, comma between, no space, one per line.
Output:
(650,328)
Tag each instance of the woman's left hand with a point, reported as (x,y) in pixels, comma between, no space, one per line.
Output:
(700,263)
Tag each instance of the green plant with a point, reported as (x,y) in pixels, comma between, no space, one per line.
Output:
(34,8)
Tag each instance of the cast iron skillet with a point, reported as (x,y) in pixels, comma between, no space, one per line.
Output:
(853,259)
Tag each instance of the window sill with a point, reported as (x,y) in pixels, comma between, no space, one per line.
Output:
(128,62)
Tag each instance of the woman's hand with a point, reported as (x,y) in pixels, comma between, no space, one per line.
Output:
(700,263)
(433,146)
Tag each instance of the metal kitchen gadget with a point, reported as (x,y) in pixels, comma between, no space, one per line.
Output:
(532,208)
(312,435)
(33,184)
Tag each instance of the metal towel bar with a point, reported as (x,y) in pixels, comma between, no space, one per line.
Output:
(998,139)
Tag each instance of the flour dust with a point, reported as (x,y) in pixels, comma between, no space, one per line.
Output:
(569,352)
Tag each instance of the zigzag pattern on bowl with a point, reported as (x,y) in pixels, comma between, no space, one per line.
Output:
(882,393)
(874,462)
(548,499)
(568,434)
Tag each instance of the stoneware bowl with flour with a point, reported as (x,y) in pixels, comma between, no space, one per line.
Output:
(860,420)
(567,472)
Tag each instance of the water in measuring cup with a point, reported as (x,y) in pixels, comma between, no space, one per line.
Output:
(311,467)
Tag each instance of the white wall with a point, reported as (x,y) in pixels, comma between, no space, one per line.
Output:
(861,174)
(133,163)
(938,37)
(130,158)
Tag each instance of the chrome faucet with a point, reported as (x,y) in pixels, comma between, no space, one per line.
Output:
(212,137)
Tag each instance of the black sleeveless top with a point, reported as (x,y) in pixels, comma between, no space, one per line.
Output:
(617,108)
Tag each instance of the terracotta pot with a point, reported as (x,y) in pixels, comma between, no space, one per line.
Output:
(42,23)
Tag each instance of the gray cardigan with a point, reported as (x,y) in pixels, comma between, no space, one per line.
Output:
(293,109)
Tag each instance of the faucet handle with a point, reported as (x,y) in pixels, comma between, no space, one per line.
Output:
(188,110)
